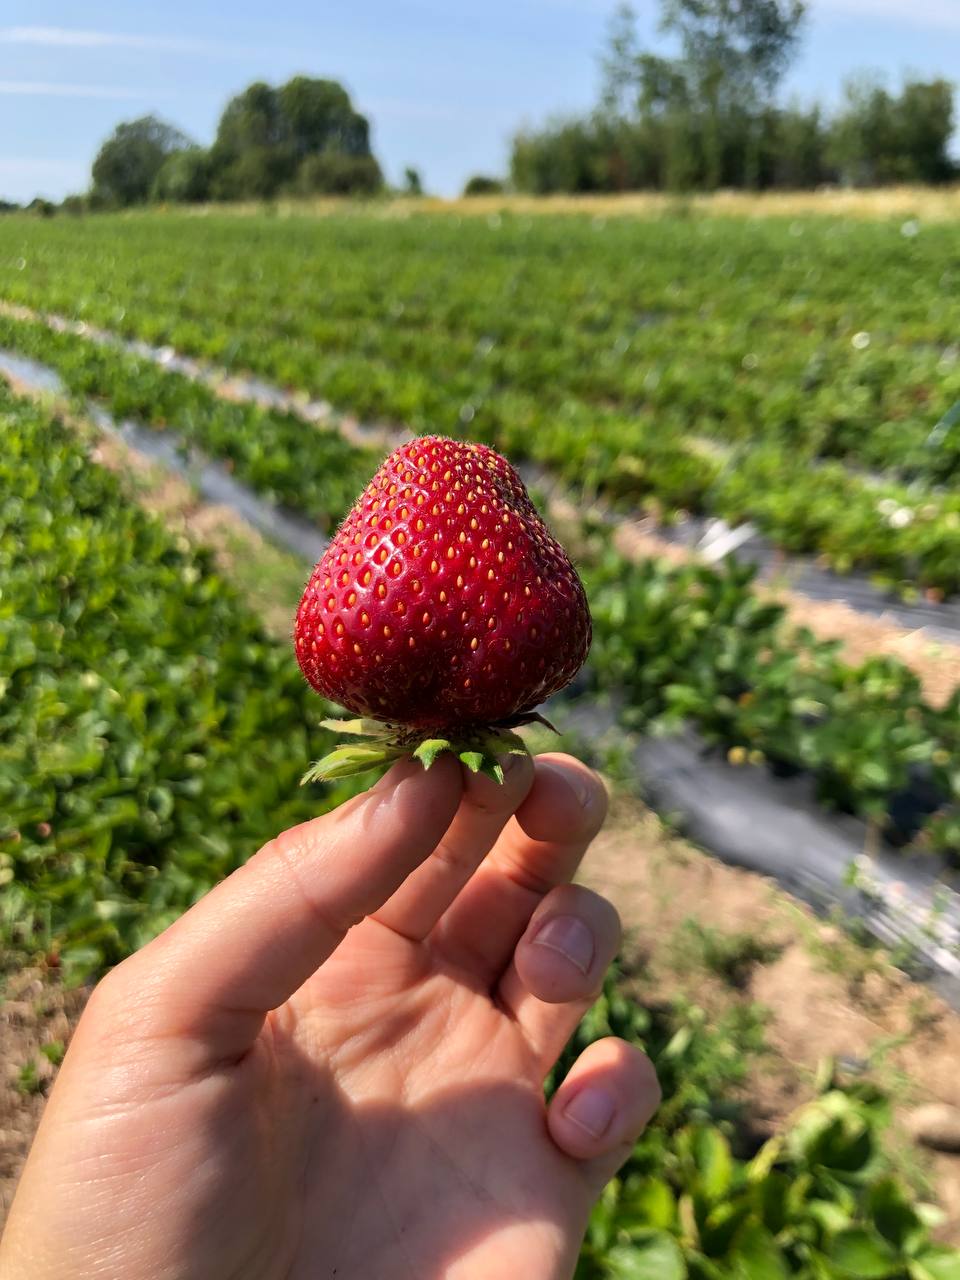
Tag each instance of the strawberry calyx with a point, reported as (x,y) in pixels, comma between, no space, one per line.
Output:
(479,747)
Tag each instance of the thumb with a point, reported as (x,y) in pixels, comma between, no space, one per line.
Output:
(255,938)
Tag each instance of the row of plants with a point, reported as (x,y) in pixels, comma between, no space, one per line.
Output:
(600,351)
(688,644)
(885,527)
(698,1200)
(304,468)
(746,325)
(151,735)
(698,645)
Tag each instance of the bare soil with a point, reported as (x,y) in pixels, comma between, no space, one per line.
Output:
(35,1011)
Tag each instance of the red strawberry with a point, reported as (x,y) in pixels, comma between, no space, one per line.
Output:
(444,605)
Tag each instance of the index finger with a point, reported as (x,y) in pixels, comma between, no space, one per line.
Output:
(255,939)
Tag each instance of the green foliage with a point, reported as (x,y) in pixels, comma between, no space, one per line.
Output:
(412,182)
(304,136)
(731,956)
(333,174)
(312,470)
(150,735)
(129,162)
(817,1201)
(706,118)
(638,359)
(482,184)
(539,332)
(54,1051)
(698,645)
(28,1079)
(184,177)
(881,138)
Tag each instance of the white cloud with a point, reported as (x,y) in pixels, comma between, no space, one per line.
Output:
(914,13)
(53,89)
(67,37)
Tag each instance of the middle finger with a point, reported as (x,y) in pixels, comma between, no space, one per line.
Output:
(540,847)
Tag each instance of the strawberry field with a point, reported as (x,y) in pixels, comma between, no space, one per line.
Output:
(800,374)
(762,368)
(681,647)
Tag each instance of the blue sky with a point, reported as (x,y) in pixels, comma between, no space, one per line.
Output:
(445,82)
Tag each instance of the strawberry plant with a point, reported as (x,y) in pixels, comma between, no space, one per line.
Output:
(697,1200)
(149,731)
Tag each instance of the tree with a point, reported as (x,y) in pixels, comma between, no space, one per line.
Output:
(733,55)
(412,182)
(318,115)
(333,173)
(128,162)
(880,138)
(184,177)
(735,47)
(266,136)
(926,112)
(619,62)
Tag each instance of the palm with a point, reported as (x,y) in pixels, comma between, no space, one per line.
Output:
(431,1099)
(387,1119)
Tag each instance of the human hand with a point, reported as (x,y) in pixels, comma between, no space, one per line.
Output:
(333,1065)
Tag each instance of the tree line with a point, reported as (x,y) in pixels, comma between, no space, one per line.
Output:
(302,138)
(708,118)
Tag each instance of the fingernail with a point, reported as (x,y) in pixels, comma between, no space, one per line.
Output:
(570,937)
(592,1109)
(582,787)
(510,762)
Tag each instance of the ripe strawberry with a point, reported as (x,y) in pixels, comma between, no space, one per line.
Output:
(443,607)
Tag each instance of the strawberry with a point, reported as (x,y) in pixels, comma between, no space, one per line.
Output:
(443,611)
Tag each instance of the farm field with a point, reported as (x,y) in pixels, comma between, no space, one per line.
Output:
(755,368)
(154,725)
(617,355)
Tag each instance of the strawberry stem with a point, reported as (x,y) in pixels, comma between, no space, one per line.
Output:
(480,748)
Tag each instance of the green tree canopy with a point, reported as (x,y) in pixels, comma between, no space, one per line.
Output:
(267,135)
(128,162)
(184,177)
(880,137)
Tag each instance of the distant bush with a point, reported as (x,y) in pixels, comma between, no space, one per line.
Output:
(75,205)
(482,185)
(334,174)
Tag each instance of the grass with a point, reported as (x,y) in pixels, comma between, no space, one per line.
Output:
(730,956)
